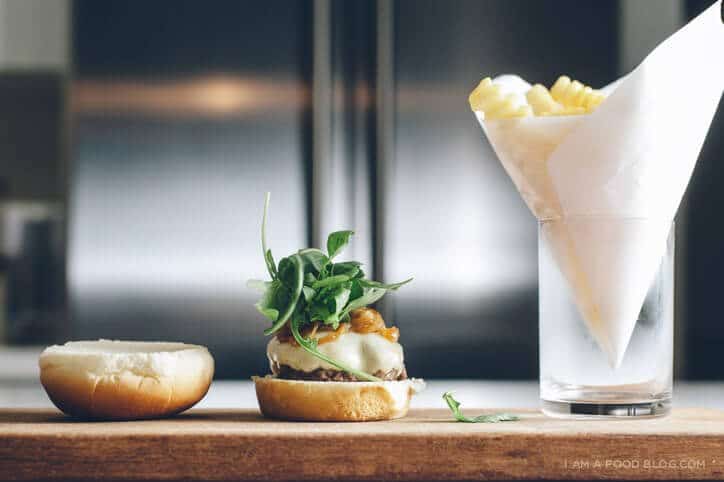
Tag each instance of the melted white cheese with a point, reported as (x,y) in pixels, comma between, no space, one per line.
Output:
(367,352)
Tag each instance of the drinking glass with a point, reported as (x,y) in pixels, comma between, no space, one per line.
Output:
(579,378)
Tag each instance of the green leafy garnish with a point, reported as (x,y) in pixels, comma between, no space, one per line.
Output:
(337,241)
(268,258)
(308,287)
(458,414)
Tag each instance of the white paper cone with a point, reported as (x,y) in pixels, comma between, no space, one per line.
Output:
(627,166)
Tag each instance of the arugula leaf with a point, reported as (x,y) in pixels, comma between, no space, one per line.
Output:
(287,271)
(318,310)
(270,265)
(350,268)
(356,290)
(340,297)
(293,277)
(376,284)
(268,258)
(308,293)
(337,241)
(268,302)
(328,304)
(336,300)
(314,258)
(331,281)
(311,347)
(457,413)
(368,297)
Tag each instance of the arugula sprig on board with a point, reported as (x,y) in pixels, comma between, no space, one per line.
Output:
(458,414)
(308,286)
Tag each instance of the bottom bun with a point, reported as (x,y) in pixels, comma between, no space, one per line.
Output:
(124,380)
(334,401)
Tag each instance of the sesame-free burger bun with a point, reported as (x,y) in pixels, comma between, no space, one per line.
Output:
(123,380)
(325,401)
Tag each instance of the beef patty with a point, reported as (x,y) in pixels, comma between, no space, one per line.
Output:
(326,375)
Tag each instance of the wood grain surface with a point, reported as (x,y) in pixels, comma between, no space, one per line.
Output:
(241,445)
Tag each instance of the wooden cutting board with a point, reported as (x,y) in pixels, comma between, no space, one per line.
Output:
(241,445)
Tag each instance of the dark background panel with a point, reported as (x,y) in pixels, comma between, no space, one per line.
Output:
(703,256)
(137,37)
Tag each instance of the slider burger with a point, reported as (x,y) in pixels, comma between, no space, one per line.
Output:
(331,356)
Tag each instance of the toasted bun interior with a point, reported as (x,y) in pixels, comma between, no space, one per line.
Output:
(123,380)
(334,401)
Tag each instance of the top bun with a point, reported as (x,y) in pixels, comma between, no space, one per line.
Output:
(122,380)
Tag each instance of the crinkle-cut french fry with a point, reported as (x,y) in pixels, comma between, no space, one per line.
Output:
(523,111)
(571,93)
(480,93)
(542,101)
(488,98)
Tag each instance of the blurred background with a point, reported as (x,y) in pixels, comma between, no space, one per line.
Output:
(137,140)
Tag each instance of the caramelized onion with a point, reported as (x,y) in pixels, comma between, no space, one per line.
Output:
(392,334)
(362,320)
(333,335)
(366,320)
